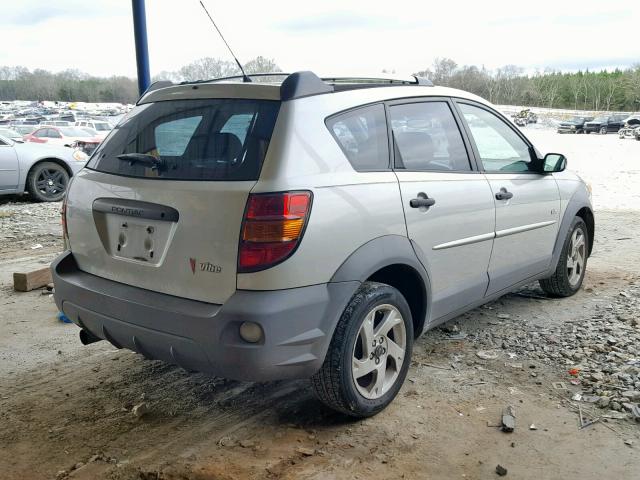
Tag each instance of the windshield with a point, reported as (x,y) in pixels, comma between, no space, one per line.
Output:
(213,139)
(577,119)
(73,132)
(600,119)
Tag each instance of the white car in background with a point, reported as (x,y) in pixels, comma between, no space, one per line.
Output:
(100,127)
(42,170)
(11,133)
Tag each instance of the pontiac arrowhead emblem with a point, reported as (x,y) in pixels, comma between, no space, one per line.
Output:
(192,262)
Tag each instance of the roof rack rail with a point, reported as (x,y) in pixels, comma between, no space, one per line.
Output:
(372,81)
(306,83)
(237,77)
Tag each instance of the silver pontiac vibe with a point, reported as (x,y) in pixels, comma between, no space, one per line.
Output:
(311,228)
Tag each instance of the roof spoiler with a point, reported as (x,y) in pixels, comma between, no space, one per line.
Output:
(156,86)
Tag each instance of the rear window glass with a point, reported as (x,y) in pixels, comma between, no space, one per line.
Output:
(212,139)
(362,135)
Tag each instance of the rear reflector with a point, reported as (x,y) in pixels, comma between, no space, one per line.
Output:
(63,217)
(272,228)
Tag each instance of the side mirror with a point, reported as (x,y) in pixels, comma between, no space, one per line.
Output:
(554,162)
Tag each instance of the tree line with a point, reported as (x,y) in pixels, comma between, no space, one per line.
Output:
(617,90)
(20,83)
(509,85)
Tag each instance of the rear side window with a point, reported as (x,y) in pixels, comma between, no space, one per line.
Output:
(362,136)
(213,139)
(426,137)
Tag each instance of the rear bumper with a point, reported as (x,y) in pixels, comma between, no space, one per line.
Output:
(297,323)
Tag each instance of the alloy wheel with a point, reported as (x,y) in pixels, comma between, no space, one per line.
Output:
(379,351)
(576,257)
(50,182)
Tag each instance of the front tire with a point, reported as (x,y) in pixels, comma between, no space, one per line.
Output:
(47,182)
(572,265)
(357,377)
(603,130)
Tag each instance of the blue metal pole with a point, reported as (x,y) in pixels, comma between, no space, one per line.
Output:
(142,49)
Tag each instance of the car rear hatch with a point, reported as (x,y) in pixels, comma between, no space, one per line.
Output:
(161,202)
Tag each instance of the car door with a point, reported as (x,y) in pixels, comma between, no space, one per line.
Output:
(9,166)
(615,124)
(448,205)
(527,202)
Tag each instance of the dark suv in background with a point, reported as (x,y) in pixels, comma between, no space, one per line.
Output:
(604,125)
(573,125)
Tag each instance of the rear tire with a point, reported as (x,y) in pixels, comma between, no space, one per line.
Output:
(47,182)
(341,383)
(572,265)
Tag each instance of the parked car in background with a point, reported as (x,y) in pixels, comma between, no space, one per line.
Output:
(56,123)
(100,127)
(604,124)
(66,136)
(11,133)
(23,129)
(265,232)
(631,127)
(41,170)
(573,125)
(524,117)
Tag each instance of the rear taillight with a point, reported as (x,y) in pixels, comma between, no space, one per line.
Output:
(272,228)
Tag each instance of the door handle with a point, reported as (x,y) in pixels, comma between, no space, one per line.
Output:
(422,201)
(504,194)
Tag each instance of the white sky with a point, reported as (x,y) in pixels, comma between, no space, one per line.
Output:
(332,37)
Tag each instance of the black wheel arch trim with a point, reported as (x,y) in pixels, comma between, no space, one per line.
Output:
(385,251)
(578,203)
(55,160)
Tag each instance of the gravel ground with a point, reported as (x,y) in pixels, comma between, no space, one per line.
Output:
(69,411)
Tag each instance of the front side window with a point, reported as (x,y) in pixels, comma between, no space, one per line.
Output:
(41,133)
(500,148)
(362,136)
(210,139)
(426,137)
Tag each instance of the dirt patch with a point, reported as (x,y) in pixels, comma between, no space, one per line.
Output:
(66,410)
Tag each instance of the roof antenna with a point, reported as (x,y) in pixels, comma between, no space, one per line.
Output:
(245,78)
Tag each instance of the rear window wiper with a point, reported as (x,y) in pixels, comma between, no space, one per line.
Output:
(144,158)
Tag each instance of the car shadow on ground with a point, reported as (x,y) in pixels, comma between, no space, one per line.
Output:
(26,198)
